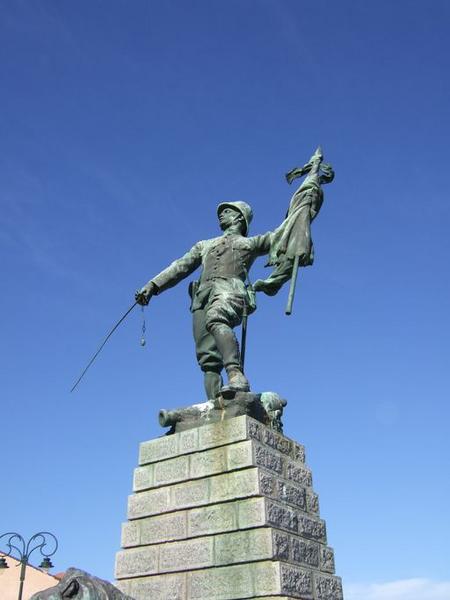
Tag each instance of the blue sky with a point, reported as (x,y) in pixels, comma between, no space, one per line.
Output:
(122,126)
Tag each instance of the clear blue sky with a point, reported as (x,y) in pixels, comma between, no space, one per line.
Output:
(122,126)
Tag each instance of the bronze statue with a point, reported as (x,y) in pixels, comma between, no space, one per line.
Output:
(220,298)
(223,296)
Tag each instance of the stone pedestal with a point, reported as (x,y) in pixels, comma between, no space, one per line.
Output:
(225,511)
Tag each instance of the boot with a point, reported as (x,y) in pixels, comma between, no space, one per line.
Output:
(228,347)
(237,381)
(213,383)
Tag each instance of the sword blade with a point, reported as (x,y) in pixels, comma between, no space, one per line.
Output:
(101,346)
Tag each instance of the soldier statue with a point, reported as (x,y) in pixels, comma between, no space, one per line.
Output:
(220,298)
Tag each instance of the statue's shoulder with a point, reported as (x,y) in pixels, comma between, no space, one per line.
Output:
(206,244)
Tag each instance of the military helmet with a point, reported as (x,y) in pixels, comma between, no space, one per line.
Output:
(244,208)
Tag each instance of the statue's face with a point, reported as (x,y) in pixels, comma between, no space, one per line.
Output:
(229,216)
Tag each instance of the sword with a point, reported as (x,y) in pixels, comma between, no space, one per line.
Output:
(102,344)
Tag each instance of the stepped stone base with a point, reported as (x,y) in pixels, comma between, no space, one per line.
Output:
(225,511)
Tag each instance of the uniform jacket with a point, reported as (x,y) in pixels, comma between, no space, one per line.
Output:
(228,257)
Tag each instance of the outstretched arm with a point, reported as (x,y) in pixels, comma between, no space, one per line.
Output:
(174,273)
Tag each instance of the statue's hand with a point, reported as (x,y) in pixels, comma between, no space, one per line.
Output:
(143,295)
(261,285)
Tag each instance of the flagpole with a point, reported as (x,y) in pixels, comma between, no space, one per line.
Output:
(293,284)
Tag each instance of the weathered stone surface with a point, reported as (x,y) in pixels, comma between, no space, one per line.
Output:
(186,555)
(266,578)
(327,587)
(159,449)
(222,583)
(327,559)
(304,552)
(153,530)
(143,478)
(297,582)
(225,511)
(149,503)
(211,462)
(237,484)
(243,546)
(291,494)
(299,474)
(131,534)
(188,441)
(312,502)
(190,493)
(239,455)
(252,513)
(282,517)
(137,561)
(158,587)
(280,545)
(227,432)
(283,491)
(216,518)
(171,471)
(268,459)
(312,528)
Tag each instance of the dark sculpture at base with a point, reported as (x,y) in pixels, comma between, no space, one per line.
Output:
(79,585)
(267,408)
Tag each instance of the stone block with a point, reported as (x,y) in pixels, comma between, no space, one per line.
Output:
(143,478)
(131,534)
(296,582)
(136,561)
(221,583)
(298,474)
(225,432)
(277,442)
(267,484)
(188,441)
(266,578)
(327,587)
(304,552)
(210,462)
(239,455)
(281,545)
(148,503)
(272,461)
(158,587)
(237,484)
(312,528)
(299,452)
(171,471)
(251,513)
(243,546)
(283,491)
(163,528)
(291,494)
(159,449)
(281,517)
(189,494)
(208,520)
(327,559)
(312,502)
(186,555)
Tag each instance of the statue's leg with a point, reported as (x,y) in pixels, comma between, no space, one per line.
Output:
(208,356)
(224,312)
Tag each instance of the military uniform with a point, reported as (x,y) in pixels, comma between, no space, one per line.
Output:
(220,295)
